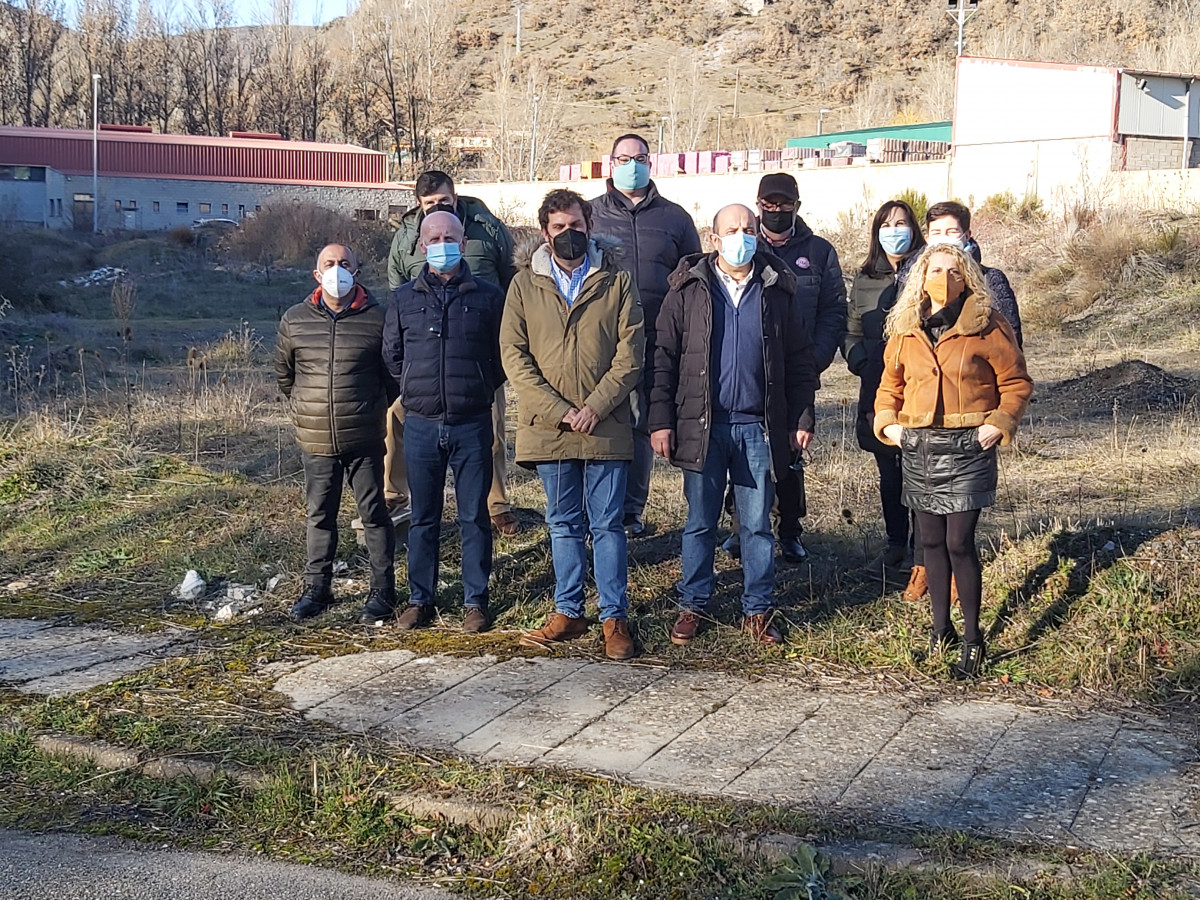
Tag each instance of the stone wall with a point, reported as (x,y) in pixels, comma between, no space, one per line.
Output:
(1139,153)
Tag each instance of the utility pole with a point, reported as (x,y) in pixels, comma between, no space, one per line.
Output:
(661,123)
(533,139)
(520,5)
(737,89)
(718,147)
(95,153)
(962,12)
(821,120)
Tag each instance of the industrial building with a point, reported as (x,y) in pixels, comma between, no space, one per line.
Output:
(148,181)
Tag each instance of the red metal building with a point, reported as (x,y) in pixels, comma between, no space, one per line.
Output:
(135,153)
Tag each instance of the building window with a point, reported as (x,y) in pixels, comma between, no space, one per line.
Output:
(367,215)
(51,209)
(117,204)
(241,210)
(181,207)
(131,204)
(22,173)
(205,207)
(258,209)
(224,209)
(156,206)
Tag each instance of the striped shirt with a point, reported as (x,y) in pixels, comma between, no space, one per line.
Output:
(569,284)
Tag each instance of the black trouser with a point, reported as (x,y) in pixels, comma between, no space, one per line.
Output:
(891,483)
(323,479)
(790,505)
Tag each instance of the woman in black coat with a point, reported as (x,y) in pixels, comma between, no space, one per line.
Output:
(895,241)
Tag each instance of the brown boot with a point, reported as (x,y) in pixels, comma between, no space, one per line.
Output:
(918,587)
(761,628)
(618,644)
(953,592)
(685,628)
(559,628)
(506,523)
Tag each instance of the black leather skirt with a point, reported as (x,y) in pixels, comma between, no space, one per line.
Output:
(946,470)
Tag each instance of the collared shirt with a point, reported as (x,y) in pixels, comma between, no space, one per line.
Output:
(332,312)
(733,288)
(569,284)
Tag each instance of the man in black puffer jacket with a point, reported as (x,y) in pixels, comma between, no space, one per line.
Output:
(442,344)
(327,363)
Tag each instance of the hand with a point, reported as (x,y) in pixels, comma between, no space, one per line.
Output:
(801,439)
(663,442)
(585,421)
(893,433)
(989,436)
(569,418)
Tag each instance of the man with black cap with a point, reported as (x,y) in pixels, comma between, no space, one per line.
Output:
(821,297)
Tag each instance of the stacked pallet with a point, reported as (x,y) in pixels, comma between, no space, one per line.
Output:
(895,150)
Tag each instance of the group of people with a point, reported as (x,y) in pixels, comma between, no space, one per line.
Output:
(624,338)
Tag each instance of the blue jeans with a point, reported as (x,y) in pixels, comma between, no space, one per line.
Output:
(600,484)
(741,453)
(429,446)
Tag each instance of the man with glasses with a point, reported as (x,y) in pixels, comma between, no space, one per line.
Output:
(655,234)
(821,297)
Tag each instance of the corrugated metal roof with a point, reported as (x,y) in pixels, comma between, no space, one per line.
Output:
(924,131)
(193,157)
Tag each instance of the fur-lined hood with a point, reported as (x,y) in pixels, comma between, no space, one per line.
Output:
(534,253)
(976,311)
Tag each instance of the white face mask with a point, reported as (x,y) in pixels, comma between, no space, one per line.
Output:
(955,239)
(337,282)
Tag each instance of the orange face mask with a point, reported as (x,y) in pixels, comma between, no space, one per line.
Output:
(943,288)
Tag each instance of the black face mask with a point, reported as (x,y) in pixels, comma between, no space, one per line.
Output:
(570,244)
(445,207)
(778,221)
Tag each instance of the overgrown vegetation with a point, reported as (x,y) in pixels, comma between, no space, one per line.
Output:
(291,234)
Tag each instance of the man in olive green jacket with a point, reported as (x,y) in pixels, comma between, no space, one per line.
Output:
(572,342)
(488,254)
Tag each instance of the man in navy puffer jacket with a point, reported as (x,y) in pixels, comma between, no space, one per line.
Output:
(441,342)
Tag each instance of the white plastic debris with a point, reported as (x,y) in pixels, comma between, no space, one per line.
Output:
(273,582)
(340,566)
(191,587)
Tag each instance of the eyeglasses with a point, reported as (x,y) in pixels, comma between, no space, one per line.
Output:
(771,206)
(643,158)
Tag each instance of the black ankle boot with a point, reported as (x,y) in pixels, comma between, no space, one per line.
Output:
(315,600)
(970,661)
(942,641)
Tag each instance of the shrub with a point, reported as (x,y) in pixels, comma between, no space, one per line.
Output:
(292,234)
(1005,207)
(918,201)
(181,236)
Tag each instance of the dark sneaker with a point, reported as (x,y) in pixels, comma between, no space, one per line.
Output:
(634,526)
(941,641)
(476,620)
(314,601)
(792,550)
(416,616)
(970,662)
(380,606)
(733,546)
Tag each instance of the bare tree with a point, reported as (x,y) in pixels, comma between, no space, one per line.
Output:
(37,32)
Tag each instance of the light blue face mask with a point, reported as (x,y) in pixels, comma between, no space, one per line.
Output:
(895,240)
(738,249)
(443,257)
(633,176)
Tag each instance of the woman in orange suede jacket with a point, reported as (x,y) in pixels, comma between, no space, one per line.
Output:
(954,386)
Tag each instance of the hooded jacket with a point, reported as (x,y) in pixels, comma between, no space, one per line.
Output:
(974,375)
(489,245)
(441,344)
(1004,299)
(681,389)
(332,371)
(560,358)
(655,233)
(820,288)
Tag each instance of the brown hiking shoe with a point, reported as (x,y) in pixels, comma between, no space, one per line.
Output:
(559,628)
(918,587)
(418,615)
(685,628)
(476,620)
(618,644)
(507,524)
(760,627)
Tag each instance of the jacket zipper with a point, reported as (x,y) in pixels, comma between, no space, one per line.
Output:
(332,413)
(442,353)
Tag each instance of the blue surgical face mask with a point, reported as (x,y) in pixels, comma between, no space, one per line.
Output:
(895,240)
(633,176)
(443,257)
(738,249)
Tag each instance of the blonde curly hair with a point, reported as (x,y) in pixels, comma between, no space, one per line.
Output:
(905,316)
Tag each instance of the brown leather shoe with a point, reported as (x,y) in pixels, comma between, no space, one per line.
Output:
(918,587)
(618,643)
(559,628)
(416,616)
(507,524)
(760,627)
(686,626)
(476,620)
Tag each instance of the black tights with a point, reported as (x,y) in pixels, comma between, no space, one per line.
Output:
(949,544)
